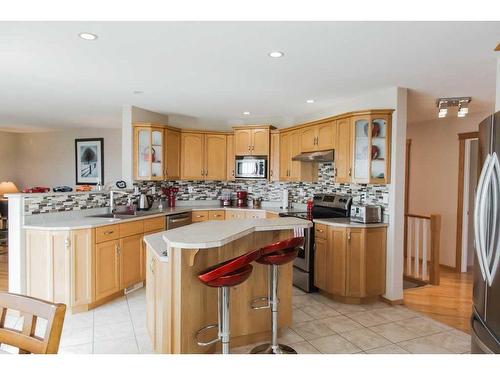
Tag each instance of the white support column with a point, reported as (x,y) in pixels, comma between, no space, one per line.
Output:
(17,245)
(127,152)
(395,233)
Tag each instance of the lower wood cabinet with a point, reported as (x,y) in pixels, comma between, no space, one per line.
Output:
(130,260)
(107,268)
(82,268)
(350,263)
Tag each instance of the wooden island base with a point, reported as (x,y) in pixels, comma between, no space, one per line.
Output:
(178,304)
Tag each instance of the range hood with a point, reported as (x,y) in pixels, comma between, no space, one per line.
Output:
(316,156)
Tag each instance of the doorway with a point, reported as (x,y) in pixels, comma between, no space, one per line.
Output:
(470,181)
(468,169)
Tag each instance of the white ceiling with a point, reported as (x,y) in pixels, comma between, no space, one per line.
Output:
(210,72)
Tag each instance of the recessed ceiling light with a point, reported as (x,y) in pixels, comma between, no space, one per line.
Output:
(87,36)
(138,92)
(310,101)
(246,113)
(276,54)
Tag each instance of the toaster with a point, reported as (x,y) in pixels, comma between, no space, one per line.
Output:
(366,213)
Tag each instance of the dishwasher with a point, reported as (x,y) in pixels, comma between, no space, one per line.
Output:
(178,220)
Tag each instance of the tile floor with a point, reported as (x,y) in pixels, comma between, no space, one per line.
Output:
(320,326)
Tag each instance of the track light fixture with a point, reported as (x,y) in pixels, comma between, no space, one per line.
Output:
(461,102)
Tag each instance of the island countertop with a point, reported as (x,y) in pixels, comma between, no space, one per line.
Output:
(211,234)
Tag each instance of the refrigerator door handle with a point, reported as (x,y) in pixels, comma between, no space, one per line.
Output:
(478,216)
(494,253)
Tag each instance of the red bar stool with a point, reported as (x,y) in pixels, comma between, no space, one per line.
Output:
(223,276)
(275,255)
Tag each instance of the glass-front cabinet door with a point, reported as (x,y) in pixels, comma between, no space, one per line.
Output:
(148,153)
(371,153)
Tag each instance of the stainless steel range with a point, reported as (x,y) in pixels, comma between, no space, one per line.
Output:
(325,206)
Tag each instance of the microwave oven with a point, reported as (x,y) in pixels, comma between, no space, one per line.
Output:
(249,167)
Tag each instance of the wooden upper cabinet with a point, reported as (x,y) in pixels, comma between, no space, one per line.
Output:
(371,142)
(274,163)
(251,141)
(326,136)
(342,155)
(294,174)
(308,139)
(291,170)
(203,156)
(230,160)
(215,157)
(243,142)
(285,160)
(318,137)
(172,154)
(192,156)
(148,152)
(260,141)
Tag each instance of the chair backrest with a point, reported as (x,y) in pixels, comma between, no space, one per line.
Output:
(288,244)
(228,266)
(32,309)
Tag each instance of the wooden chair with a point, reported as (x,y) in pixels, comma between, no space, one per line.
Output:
(31,309)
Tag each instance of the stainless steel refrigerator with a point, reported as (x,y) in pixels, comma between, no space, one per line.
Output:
(485,321)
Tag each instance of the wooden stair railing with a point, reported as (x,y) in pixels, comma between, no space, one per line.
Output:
(422,237)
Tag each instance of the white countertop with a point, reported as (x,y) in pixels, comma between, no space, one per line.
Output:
(86,222)
(346,222)
(211,234)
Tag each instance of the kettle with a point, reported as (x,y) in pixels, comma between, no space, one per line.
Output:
(145,202)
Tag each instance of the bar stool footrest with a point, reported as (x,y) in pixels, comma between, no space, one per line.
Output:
(255,306)
(203,330)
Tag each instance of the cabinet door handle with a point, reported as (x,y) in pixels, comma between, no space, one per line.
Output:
(67,243)
(350,172)
(349,236)
(202,172)
(108,232)
(253,147)
(271,173)
(249,147)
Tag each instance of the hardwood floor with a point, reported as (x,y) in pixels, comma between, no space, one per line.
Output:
(450,302)
(4,262)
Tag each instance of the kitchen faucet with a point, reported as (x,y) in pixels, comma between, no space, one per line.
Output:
(112,198)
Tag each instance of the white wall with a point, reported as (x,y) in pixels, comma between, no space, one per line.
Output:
(131,114)
(9,157)
(48,158)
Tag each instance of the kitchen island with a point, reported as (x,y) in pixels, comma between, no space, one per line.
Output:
(178,304)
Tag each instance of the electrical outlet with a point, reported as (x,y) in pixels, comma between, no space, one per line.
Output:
(190,190)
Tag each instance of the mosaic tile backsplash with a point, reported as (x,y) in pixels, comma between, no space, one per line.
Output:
(299,192)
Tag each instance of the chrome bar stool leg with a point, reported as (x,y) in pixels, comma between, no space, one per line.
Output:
(225,323)
(274,347)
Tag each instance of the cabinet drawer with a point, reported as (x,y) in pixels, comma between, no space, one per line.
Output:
(216,215)
(129,229)
(255,214)
(107,233)
(154,224)
(235,214)
(197,216)
(320,231)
